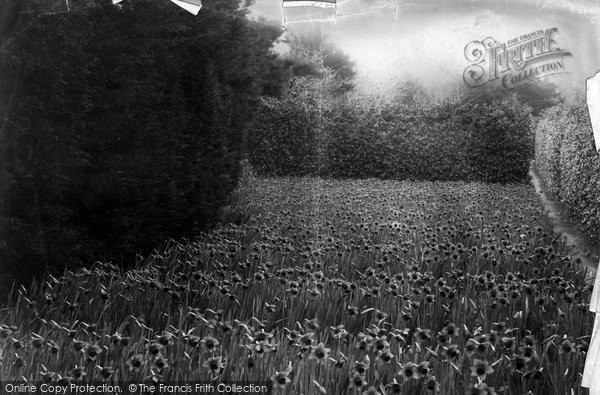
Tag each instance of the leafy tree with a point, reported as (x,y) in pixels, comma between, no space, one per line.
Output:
(312,55)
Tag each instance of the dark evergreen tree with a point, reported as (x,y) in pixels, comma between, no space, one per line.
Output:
(127,127)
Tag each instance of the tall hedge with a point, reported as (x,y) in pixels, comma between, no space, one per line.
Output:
(285,138)
(490,142)
(501,140)
(127,128)
(567,161)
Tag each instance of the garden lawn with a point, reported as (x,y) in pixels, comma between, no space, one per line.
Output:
(328,286)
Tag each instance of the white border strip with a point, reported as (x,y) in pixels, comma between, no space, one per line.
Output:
(593,102)
(321,4)
(332,19)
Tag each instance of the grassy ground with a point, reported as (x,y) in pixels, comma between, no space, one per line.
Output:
(328,287)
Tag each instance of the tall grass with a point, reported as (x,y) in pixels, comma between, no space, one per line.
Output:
(328,287)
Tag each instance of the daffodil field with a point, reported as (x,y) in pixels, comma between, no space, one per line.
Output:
(327,286)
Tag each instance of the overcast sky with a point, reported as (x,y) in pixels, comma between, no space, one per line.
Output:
(427,39)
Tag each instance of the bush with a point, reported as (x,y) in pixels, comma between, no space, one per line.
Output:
(501,142)
(284,139)
(353,148)
(476,142)
(128,129)
(567,161)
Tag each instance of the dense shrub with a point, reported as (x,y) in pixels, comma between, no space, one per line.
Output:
(284,139)
(127,129)
(427,144)
(352,148)
(568,163)
(501,143)
(478,142)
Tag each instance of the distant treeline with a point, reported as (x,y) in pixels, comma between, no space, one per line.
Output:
(491,141)
(126,128)
(567,161)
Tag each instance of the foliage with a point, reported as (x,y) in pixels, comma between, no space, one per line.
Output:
(128,128)
(293,152)
(411,287)
(352,148)
(538,94)
(314,47)
(312,55)
(411,93)
(501,142)
(568,163)
(286,137)
(452,141)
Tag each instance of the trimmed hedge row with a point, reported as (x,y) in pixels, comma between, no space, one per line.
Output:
(490,142)
(567,161)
